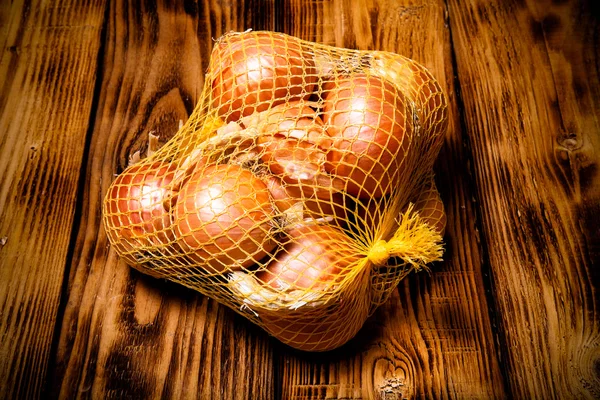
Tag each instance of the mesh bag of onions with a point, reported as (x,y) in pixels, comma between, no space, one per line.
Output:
(299,192)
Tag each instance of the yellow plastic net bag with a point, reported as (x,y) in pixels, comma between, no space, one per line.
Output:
(299,192)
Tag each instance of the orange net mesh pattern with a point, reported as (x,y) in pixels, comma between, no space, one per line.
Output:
(300,191)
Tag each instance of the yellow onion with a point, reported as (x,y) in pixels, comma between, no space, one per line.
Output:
(223,218)
(322,327)
(138,206)
(370,126)
(317,257)
(253,71)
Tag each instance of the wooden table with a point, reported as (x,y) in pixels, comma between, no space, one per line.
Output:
(513,310)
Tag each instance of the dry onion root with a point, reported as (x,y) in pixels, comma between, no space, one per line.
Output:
(303,171)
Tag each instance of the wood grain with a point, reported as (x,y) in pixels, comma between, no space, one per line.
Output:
(512,312)
(126,335)
(433,339)
(531,110)
(48,60)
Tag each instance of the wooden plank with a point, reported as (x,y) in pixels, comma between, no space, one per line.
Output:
(124,334)
(531,102)
(48,63)
(433,338)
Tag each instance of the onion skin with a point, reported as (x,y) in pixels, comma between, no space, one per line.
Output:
(286,195)
(254,71)
(138,209)
(294,160)
(295,119)
(223,218)
(291,141)
(279,192)
(368,121)
(317,257)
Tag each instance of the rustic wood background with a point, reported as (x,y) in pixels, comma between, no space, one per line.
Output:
(512,312)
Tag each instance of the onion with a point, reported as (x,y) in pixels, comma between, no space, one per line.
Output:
(295,297)
(368,121)
(417,83)
(223,218)
(138,206)
(316,258)
(320,328)
(254,71)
